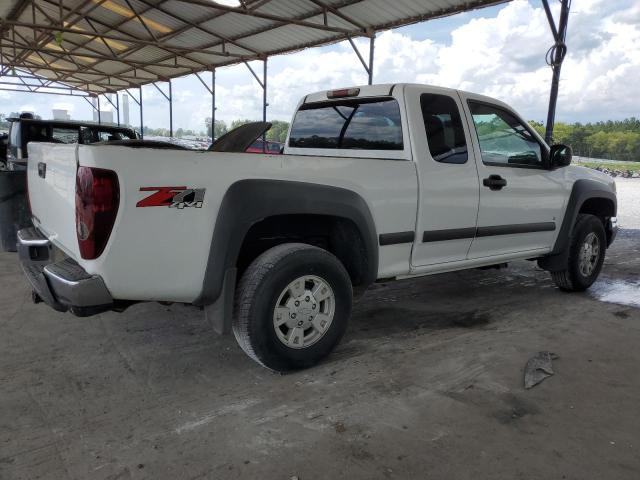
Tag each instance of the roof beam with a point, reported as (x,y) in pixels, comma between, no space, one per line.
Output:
(197,25)
(339,14)
(268,16)
(95,38)
(44,37)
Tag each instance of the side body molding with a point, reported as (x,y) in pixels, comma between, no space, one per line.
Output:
(246,202)
(583,190)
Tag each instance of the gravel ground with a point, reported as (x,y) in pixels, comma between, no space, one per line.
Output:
(629,202)
(426,384)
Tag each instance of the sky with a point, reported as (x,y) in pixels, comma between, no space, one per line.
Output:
(497,51)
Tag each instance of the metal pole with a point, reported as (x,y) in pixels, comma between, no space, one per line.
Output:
(170,111)
(264,104)
(141,121)
(557,55)
(118,107)
(99,116)
(372,42)
(213,103)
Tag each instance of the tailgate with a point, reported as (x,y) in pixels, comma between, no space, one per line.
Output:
(51,180)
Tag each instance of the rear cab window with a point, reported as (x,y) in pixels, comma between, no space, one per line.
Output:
(444,129)
(370,125)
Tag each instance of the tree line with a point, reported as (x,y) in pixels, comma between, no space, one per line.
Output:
(611,139)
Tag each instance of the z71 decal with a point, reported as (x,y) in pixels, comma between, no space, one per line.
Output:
(172,197)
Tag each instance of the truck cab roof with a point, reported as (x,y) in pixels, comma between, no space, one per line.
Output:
(387,90)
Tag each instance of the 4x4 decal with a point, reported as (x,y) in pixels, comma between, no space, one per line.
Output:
(172,197)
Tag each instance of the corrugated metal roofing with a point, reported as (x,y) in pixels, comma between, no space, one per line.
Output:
(100,46)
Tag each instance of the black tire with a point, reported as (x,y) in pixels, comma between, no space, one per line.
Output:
(572,279)
(258,291)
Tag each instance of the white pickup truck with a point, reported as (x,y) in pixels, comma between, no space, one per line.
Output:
(376,183)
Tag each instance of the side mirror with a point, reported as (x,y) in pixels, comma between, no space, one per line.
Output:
(560,155)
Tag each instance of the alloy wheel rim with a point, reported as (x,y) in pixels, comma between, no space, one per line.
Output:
(589,254)
(304,311)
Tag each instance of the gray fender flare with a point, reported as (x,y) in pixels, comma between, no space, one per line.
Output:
(582,191)
(246,202)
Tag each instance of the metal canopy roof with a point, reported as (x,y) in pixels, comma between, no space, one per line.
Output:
(99,46)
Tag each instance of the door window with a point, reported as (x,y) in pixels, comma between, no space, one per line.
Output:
(504,140)
(443,126)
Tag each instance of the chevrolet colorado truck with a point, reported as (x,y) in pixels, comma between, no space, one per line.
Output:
(376,183)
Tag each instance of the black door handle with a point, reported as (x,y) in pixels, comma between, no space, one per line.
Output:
(42,169)
(494,182)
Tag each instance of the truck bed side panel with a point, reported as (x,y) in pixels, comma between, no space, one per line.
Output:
(160,253)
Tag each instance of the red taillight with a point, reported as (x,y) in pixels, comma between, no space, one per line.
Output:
(97,199)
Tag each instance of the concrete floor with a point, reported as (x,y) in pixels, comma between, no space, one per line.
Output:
(426,384)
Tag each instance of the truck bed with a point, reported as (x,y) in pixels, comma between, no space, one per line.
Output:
(159,252)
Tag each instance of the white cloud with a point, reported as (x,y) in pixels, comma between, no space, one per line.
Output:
(501,55)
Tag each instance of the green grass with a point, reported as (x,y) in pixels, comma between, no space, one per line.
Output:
(623,167)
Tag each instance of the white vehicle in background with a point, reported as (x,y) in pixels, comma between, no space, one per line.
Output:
(376,182)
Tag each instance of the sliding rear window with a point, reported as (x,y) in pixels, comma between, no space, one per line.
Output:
(362,124)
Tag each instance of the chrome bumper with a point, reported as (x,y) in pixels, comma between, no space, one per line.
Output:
(63,285)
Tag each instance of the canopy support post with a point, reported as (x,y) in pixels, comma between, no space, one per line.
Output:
(263,84)
(212,92)
(368,67)
(213,104)
(92,104)
(116,105)
(264,103)
(169,98)
(139,102)
(555,57)
(372,44)
(141,121)
(170,110)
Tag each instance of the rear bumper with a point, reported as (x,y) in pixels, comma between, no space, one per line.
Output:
(63,285)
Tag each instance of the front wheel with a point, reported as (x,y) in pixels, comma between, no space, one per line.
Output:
(293,304)
(586,255)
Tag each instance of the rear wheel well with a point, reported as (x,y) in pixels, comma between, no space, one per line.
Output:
(337,235)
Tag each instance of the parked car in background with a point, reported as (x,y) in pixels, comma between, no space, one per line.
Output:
(13,163)
(274,148)
(27,129)
(4,139)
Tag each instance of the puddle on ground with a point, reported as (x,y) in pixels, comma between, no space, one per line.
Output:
(616,291)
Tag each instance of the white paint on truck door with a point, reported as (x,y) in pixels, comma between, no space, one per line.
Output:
(521,200)
(447,175)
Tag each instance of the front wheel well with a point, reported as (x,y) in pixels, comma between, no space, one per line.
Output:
(604,209)
(338,235)
(600,207)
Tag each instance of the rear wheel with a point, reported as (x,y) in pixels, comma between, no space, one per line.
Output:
(292,306)
(586,255)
